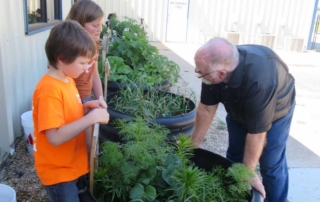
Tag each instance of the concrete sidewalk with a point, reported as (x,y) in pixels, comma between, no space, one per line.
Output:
(303,152)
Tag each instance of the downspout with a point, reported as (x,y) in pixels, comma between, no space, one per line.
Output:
(312,23)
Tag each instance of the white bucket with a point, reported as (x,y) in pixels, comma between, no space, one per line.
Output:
(7,194)
(27,123)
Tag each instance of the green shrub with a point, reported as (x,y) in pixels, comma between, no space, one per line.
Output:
(146,168)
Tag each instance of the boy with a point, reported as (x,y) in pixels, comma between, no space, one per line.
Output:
(60,150)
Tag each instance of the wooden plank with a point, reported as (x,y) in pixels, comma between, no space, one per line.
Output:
(106,75)
(94,154)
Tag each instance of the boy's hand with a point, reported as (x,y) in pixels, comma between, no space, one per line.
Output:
(100,115)
(93,104)
(102,103)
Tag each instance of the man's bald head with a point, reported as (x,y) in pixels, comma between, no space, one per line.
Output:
(218,53)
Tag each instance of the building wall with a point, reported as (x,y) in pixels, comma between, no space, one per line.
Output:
(253,20)
(22,64)
(154,13)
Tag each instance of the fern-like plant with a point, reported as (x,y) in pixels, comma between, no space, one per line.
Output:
(147,168)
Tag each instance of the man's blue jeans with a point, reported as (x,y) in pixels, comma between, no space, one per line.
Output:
(273,163)
(63,192)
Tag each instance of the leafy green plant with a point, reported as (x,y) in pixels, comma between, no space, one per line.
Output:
(144,59)
(150,104)
(32,17)
(128,24)
(120,72)
(129,168)
(146,168)
(134,51)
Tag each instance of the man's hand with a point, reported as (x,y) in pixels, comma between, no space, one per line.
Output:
(257,184)
(196,144)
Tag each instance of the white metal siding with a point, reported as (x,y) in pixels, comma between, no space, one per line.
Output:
(154,13)
(252,19)
(22,62)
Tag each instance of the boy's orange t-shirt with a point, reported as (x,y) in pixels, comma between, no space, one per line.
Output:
(56,103)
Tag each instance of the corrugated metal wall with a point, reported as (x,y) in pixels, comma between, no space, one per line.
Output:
(254,20)
(22,62)
(250,18)
(154,13)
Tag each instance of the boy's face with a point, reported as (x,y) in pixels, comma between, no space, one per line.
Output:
(94,28)
(77,67)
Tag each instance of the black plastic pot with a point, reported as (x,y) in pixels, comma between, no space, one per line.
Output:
(115,86)
(207,160)
(176,124)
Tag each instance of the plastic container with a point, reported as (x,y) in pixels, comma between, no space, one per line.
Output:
(7,194)
(207,160)
(27,123)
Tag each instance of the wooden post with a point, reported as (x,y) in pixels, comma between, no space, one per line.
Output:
(95,128)
(94,154)
(106,75)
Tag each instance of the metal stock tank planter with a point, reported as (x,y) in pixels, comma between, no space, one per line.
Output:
(117,86)
(175,112)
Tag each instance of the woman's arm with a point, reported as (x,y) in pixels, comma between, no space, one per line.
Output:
(96,82)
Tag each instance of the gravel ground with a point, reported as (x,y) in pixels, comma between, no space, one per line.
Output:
(216,139)
(19,172)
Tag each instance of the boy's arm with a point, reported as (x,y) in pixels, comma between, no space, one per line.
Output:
(58,136)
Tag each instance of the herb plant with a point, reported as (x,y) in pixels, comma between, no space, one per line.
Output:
(149,104)
(146,168)
(120,72)
(128,24)
(144,59)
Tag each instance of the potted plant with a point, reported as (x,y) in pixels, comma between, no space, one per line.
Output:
(128,24)
(122,75)
(146,168)
(175,112)
(146,64)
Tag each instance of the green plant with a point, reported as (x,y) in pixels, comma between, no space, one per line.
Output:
(104,31)
(221,125)
(150,104)
(120,72)
(146,168)
(147,65)
(126,170)
(32,17)
(128,24)
(134,51)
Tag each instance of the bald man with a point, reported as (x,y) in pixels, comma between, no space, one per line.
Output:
(258,93)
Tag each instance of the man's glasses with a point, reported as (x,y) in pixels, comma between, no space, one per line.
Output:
(196,71)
